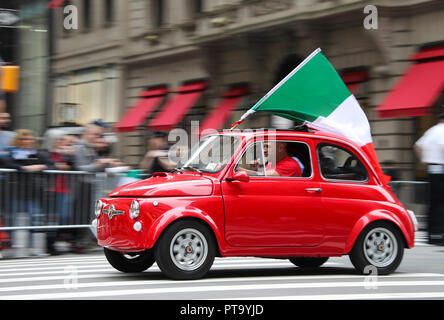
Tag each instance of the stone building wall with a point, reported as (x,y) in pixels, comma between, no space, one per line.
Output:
(246,41)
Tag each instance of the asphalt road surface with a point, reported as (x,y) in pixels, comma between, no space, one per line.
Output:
(89,276)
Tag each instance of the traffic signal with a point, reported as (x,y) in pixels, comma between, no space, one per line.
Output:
(9,78)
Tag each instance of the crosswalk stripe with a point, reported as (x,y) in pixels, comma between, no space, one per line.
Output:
(351,296)
(38,262)
(109,268)
(32,260)
(108,271)
(95,258)
(113,272)
(205,281)
(103,261)
(218,288)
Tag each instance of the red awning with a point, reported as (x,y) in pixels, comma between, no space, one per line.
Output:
(429,53)
(354,79)
(176,108)
(53,4)
(134,117)
(220,114)
(418,89)
(353,87)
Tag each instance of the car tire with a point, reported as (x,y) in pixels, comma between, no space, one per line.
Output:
(130,262)
(308,262)
(185,250)
(378,250)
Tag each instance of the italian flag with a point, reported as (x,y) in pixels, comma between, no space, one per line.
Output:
(314,93)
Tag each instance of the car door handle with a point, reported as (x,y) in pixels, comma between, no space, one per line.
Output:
(313,190)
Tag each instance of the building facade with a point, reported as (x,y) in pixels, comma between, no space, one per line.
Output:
(25,41)
(123,49)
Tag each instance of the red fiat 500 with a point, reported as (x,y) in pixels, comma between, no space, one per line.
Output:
(305,196)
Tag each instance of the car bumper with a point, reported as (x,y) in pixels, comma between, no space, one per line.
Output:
(121,232)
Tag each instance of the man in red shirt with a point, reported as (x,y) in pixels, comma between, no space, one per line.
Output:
(284,165)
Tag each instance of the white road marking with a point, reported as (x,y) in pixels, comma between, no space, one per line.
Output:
(221,288)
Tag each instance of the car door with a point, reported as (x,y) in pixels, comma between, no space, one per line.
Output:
(348,189)
(272,210)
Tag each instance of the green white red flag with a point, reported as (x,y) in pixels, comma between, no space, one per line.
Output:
(314,93)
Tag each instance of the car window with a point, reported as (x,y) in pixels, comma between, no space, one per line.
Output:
(276,159)
(338,163)
(252,160)
(213,153)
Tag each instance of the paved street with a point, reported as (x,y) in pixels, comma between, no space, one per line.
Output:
(88,276)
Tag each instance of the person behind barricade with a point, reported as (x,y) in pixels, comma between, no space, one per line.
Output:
(70,142)
(6,137)
(5,140)
(430,149)
(156,159)
(23,154)
(102,147)
(86,158)
(26,187)
(60,194)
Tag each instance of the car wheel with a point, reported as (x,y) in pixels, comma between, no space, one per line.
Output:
(380,246)
(306,262)
(185,251)
(130,262)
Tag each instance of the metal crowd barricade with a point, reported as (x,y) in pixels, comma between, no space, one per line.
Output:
(414,195)
(46,200)
(35,204)
(52,199)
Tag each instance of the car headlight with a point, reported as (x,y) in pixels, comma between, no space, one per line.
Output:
(135,209)
(98,208)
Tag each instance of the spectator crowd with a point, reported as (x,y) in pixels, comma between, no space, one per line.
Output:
(21,189)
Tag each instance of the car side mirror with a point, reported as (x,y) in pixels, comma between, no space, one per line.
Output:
(241,176)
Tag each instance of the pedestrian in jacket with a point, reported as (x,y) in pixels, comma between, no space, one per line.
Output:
(26,186)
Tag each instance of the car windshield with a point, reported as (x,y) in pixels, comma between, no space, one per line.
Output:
(212,154)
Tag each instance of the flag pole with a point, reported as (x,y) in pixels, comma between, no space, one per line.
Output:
(250,111)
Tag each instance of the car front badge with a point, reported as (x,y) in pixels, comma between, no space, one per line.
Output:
(111,212)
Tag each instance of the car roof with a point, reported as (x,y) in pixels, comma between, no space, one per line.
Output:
(250,133)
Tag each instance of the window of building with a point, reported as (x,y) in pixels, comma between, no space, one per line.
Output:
(198,6)
(87,14)
(156,12)
(109,12)
(195,8)
(338,163)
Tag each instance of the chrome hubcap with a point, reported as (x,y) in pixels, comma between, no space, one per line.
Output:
(188,249)
(380,247)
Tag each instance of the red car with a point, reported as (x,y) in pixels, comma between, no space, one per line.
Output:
(318,197)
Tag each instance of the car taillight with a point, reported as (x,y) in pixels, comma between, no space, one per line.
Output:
(414,219)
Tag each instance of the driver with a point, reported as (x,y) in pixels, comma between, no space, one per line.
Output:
(285,165)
